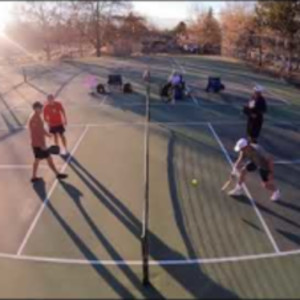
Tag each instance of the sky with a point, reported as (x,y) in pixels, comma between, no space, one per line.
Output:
(5,7)
(167,14)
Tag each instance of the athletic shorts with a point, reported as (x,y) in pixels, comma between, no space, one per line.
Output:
(254,127)
(264,174)
(40,153)
(57,129)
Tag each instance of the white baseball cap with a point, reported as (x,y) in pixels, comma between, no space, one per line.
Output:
(240,144)
(258,88)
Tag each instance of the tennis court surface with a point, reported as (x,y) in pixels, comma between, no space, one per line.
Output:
(82,237)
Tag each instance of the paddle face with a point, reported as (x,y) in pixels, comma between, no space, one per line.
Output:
(54,150)
(225,186)
(228,182)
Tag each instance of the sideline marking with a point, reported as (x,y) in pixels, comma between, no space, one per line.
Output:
(47,199)
(264,224)
(23,167)
(196,261)
(287,162)
(187,123)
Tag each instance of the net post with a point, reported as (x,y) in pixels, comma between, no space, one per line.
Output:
(145,247)
(145,232)
(24,75)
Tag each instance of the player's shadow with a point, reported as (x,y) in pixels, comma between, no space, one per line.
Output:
(12,129)
(76,195)
(244,199)
(294,238)
(14,126)
(177,199)
(103,272)
(190,277)
(289,205)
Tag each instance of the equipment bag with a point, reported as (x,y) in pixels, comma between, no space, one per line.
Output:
(127,88)
(100,89)
(115,79)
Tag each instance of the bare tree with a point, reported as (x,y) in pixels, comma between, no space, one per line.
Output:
(208,31)
(237,24)
(93,19)
(42,16)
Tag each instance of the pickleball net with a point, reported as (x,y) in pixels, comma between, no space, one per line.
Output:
(145,221)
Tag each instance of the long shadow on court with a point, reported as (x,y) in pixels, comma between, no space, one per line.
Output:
(13,127)
(187,276)
(11,112)
(18,126)
(103,272)
(176,199)
(245,200)
(185,209)
(76,195)
(287,228)
(295,238)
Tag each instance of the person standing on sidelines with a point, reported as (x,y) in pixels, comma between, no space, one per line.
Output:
(56,118)
(38,136)
(257,158)
(255,110)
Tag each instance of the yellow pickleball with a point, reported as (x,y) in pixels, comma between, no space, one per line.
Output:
(194,182)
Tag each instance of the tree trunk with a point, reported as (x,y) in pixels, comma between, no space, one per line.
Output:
(80,47)
(260,62)
(97,27)
(297,61)
(290,53)
(47,50)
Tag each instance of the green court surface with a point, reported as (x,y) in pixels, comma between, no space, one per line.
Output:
(82,237)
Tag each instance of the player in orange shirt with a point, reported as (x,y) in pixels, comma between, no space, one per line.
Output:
(38,142)
(55,116)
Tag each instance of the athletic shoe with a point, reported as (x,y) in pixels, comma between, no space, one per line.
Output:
(275,196)
(35,179)
(64,152)
(237,191)
(62,176)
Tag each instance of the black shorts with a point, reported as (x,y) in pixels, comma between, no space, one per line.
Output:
(40,153)
(57,129)
(254,127)
(264,174)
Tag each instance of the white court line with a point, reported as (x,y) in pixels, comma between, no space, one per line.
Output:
(22,167)
(264,224)
(287,162)
(187,123)
(200,123)
(47,199)
(170,262)
(106,103)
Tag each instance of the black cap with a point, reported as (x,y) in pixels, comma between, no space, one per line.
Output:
(37,104)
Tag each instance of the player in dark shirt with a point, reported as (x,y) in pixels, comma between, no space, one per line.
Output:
(255,110)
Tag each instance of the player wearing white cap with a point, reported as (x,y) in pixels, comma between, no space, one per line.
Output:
(255,110)
(257,158)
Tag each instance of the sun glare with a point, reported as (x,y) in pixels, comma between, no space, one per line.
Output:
(5,15)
